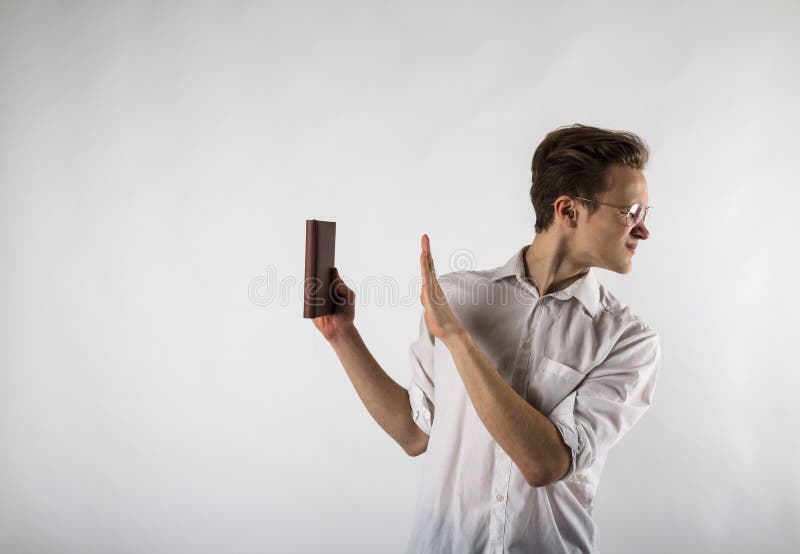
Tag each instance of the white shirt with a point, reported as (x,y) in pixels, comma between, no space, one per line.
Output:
(579,356)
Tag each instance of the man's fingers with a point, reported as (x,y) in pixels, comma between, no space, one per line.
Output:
(423,269)
(426,250)
(341,292)
(431,291)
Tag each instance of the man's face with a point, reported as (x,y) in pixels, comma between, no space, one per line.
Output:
(605,237)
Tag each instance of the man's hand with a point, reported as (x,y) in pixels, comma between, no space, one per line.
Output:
(344,310)
(439,317)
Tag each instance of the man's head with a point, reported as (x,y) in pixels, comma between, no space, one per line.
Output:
(584,179)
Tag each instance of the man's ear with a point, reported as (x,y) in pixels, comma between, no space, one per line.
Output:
(573,221)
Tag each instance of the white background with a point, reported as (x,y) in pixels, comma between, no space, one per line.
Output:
(157,166)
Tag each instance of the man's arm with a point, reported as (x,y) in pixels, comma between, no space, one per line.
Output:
(385,399)
(529,438)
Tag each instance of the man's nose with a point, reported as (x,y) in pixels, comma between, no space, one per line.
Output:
(641,231)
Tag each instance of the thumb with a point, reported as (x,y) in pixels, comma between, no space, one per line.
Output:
(339,288)
(336,279)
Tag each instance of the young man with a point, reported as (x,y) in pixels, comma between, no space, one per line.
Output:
(524,376)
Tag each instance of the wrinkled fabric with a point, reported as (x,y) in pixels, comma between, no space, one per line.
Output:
(579,356)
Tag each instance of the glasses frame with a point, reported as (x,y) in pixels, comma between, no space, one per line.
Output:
(624,210)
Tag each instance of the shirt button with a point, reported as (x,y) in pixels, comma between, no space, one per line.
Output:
(500,497)
(526,343)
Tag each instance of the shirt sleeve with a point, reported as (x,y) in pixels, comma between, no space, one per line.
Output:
(421,389)
(611,399)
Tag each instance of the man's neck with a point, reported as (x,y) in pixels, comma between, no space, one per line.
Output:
(548,266)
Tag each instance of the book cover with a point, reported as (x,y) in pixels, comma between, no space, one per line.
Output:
(320,251)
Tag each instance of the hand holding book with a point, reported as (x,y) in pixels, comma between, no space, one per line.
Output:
(327,300)
(344,310)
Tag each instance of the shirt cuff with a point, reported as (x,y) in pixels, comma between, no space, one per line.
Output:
(564,420)
(421,408)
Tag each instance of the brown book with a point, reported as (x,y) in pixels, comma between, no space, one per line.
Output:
(320,250)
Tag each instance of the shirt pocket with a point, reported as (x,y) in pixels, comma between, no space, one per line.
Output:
(550,383)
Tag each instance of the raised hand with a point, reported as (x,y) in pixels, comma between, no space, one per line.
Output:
(442,322)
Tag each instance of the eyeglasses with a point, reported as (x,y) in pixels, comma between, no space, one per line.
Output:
(634,214)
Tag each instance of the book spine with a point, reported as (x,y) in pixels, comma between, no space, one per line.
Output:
(309,305)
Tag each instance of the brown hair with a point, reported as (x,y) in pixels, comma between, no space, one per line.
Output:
(572,160)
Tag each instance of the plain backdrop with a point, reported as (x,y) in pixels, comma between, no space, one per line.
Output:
(160,391)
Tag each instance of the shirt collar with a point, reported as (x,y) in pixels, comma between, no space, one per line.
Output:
(586,289)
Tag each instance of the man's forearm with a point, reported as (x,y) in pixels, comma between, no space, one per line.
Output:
(384,398)
(523,432)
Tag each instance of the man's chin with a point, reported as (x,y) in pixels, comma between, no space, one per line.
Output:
(622,267)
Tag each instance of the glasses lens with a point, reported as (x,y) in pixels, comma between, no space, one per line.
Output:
(636,214)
